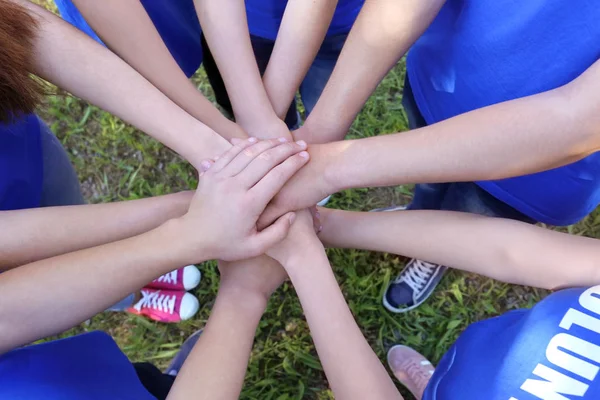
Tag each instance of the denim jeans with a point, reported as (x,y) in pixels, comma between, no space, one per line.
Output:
(457,196)
(311,87)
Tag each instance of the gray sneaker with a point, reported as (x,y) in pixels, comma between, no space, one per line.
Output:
(182,355)
(415,283)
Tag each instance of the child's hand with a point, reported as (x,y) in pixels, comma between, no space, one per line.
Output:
(232,193)
(300,240)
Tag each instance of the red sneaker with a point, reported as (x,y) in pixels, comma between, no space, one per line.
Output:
(166,305)
(186,278)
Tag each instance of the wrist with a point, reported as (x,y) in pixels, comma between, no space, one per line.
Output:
(305,252)
(328,159)
(185,248)
(252,301)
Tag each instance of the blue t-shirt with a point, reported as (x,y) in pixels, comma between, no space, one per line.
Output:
(527,354)
(21,164)
(83,367)
(477,53)
(264,17)
(176,22)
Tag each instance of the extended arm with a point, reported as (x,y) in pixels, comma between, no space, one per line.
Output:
(74,62)
(382,33)
(34,234)
(352,368)
(225,26)
(127,29)
(510,251)
(300,36)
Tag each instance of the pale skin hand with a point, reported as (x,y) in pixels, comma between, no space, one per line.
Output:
(98,277)
(535,133)
(299,38)
(71,60)
(225,27)
(242,298)
(382,33)
(356,374)
(126,28)
(510,251)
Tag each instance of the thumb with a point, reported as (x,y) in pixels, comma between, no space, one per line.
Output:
(274,234)
(269,215)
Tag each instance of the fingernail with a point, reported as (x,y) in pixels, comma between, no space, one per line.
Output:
(303,154)
(301,143)
(320,228)
(292,218)
(217,157)
(235,140)
(282,139)
(205,165)
(318,215)
(253,140)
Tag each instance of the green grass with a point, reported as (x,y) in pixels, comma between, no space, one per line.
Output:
(117,162)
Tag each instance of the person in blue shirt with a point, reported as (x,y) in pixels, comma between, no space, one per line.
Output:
(493,91)
(236,42)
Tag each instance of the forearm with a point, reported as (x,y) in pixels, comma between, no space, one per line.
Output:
(71,60)
(216,367)
(502,249)
(36,234)
(300,36)
(226,30)
(382,33)
(352,368)
(509,139)
(127,29)
(38,298)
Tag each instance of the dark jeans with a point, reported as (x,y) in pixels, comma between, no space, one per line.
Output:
(457,196)
(311,87)
(155,382)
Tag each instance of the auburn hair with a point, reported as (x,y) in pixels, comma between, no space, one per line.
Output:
(20,91)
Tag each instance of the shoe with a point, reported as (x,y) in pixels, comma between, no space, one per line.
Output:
(168,306)
(186,278)
(184,351)
(413,286)
(324,202)
(412,369)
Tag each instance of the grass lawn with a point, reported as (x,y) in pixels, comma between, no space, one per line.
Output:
(117,162)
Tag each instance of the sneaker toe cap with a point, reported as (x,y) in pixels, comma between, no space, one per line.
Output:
(191,277)
(189,306)
(399,296)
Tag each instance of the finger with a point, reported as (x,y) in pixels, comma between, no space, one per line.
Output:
(205,166)
(241,161)
(274,180)
(273,234)
(268,160)
(230,154)
(271,213)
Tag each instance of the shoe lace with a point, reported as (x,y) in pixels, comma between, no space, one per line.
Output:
(170,277)
(157,301)
(417,372)
(417,274)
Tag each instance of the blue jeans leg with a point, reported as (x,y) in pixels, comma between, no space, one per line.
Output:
(319,72)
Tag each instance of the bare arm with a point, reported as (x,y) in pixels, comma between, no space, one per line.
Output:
(127,29)
(513,138)
(241,301)
(510,251)
(35,234)
(71,60)
(225,27)
(300,36)
(382,33)
(352,368)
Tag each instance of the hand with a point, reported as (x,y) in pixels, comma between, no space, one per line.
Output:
(232,193)
(255,276)
(305,189)
(300,240)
